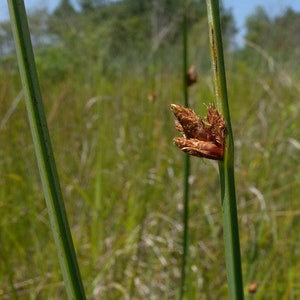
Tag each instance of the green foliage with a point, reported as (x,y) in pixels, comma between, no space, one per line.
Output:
(278,35)
(103,29)
(115,154)
(258,26)
(116,159)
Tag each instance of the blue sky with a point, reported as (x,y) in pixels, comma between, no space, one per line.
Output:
(240,8)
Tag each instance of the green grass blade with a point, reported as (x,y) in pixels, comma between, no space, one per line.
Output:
(229,210)
(186,166)
(51,187)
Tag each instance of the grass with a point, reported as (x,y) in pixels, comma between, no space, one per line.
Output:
(226,167)
(139,164)
(43,150)
(185,264)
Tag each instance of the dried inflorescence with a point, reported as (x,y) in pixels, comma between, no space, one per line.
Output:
(201,137)
(191,76)
(252,287)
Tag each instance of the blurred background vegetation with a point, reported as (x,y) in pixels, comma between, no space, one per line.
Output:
(108,73)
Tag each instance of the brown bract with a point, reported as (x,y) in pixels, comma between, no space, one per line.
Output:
(201,137)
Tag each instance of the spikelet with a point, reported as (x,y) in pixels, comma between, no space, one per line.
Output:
(201,137)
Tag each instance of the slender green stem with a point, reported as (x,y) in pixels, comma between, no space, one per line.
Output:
(226,168)
(41,139)
(186,173)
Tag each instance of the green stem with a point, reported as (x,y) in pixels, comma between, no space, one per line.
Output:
(226,168)
(186,174)
(41,139)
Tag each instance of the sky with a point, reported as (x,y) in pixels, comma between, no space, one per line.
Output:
(240,9)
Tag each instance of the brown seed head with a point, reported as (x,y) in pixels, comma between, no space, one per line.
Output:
(252,287)
(191,76)
(202,138)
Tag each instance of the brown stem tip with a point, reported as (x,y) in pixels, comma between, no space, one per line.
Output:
(201,137)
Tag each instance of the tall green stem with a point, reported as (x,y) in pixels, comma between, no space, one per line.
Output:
(226,168)
(41,139)
(186,174)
